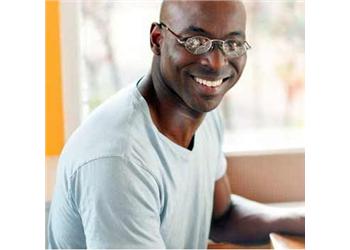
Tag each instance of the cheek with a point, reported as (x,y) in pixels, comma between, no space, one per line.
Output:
(239,64)
(173,61)
(169,61)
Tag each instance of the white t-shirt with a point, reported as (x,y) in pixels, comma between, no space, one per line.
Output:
(122,184)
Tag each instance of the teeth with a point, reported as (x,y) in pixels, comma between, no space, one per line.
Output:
(209,83)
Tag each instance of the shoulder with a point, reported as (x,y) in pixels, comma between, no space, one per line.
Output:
(214,123)
(216,118)
(107,132)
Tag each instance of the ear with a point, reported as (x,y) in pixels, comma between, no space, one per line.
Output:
(155,38)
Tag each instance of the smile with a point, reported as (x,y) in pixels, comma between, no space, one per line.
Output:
(212,84)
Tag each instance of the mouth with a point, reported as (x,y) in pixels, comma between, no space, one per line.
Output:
(210,83)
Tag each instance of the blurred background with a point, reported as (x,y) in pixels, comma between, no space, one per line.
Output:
(269,99)
(115,52)
(95,48)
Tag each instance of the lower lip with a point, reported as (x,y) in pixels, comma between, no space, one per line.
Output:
(208,90)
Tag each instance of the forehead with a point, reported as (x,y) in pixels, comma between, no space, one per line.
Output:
(216,17)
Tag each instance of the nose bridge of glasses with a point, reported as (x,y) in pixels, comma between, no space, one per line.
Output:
(219,43)
(216,58)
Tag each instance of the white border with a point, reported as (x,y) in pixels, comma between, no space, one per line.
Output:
(327,124)
(22,105)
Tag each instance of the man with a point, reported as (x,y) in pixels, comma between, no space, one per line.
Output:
(146,169)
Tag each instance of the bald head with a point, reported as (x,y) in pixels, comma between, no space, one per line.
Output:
(217,13)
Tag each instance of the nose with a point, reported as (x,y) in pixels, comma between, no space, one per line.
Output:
(214,59)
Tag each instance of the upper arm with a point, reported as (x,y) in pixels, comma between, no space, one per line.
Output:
(222,190)
(118,204)
(222,196)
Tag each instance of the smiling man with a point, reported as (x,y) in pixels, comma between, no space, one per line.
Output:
(146,170)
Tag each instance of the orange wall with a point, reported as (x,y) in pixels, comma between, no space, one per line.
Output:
(54,108)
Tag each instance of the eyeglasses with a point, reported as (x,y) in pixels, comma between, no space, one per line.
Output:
(199,45)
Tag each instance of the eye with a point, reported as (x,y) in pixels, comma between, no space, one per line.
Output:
(233,45)
(198,45)
(196,41)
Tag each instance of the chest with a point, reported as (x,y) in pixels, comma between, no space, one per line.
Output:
(187,201)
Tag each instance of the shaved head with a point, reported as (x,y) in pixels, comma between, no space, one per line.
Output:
(173,11)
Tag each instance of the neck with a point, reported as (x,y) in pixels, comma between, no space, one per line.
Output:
(169,113)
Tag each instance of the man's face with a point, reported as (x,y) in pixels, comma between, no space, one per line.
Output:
(181,69)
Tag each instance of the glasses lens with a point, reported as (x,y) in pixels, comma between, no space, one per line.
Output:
(234,48)
(198,45)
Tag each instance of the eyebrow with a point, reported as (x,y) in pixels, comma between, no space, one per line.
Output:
(196,29)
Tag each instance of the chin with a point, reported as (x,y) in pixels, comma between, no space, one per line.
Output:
(206,107)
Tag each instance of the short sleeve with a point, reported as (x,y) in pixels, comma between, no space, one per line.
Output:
(118,204)
(222,166)
(222,162)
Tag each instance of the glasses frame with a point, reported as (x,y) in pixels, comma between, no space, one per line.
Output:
(182,41)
